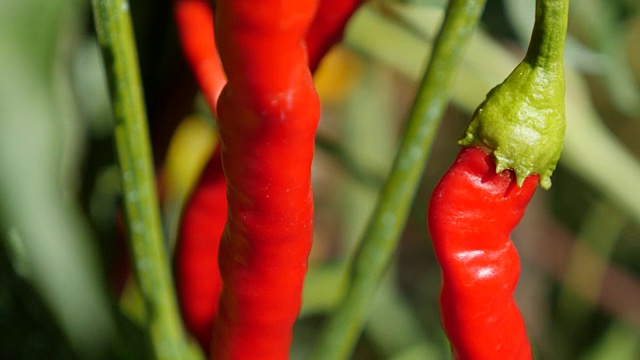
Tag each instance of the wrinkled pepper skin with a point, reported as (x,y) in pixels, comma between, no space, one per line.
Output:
(512,143)
(197,248)
(268,115)
(197,275)
(472,212)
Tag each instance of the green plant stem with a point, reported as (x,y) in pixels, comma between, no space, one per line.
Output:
(522,121)
(114,29)
(546,48)
(374,254)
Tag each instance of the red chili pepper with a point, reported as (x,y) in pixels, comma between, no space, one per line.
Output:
(513,141)
(194,19)
(197,248)
(268,114)
(197,275)
(472,212)
(328,27)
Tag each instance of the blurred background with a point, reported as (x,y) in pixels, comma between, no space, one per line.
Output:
(64,292)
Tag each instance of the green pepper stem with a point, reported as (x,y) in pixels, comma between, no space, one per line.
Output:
(115,34)
(522,121)
(375,252)
(546,48)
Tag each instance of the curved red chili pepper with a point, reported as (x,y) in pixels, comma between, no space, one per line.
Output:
(328,27)
(194,19)
(268,115)
(471,214)
(197,275)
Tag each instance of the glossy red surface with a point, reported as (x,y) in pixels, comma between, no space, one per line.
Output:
(471,215)
(197,275)
(194,21)
(268,115)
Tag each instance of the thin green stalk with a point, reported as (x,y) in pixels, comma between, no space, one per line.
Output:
(522,121)
(546,48)
(381,237)
(114,28)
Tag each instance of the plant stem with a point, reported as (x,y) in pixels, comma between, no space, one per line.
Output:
(374,254)
(546,48)
(114,29)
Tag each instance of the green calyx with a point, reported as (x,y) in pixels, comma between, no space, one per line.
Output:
(522,121)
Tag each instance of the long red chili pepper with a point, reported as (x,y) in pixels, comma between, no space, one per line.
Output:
(197,275)
(472,212)
(196,270)
(513,141)
(328,27)
(198,280)
(268,115)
